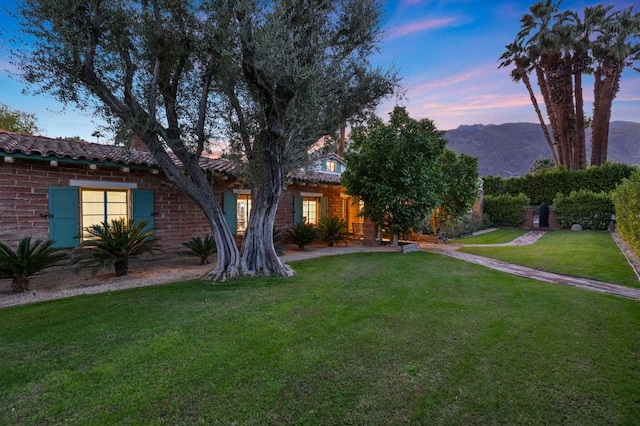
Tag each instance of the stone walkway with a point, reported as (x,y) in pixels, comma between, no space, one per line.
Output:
(522,271)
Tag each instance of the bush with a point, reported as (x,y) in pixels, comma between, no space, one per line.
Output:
(544,186)
(626,199)
(302,234)
(114,244)
(505,210)
(29,259)
(333,230)
(201,248)
(457,228)
(588,209)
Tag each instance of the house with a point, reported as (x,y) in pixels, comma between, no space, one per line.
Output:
(54,188)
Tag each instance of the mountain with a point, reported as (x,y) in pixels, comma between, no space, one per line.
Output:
(510,149)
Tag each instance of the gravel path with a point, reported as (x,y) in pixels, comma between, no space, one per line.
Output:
(62,282)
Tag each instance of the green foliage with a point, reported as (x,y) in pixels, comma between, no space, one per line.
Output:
(394,169)
(459,190)
(277,241)
(114,244)
(626,199)
(29,259)
(505,210)
(17,121)
(545,185)
(302,234)
(333,230)
(542,165)
(200,248)
(589,209)
(458,227)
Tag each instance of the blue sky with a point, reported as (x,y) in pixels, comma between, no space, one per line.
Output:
(446,52)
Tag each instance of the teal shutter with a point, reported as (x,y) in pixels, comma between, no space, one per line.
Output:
(324,207)
(297,209)
(64,219)
(230,210)
(323,164)
(142,201)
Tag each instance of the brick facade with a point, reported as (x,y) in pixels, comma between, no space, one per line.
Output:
(24,185)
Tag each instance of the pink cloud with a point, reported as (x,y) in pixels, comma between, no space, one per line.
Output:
(413,27)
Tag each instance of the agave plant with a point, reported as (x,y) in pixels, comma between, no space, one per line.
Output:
(333,230)
(199,248)
(29,259)
(114,244)
(302,234)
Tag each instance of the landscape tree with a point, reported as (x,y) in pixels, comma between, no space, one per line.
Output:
(459,190)
(180,74)
(559,47)
(16,121)
(395,169)
(301,72)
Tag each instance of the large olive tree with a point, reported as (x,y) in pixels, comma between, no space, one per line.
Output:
(274,76)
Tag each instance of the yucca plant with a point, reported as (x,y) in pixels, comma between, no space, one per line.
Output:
(302,234)
(29,259)
(333,230)
(114,244)
(201,248)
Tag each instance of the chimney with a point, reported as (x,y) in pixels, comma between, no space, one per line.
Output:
(137,144)
(343,129)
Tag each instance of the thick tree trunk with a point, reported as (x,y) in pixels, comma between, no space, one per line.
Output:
(605,90)
(581,155)
(20,284)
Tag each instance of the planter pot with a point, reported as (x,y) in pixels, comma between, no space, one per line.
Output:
(409,247)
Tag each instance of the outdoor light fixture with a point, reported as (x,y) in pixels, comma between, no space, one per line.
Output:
(53,163)
(8,159)
(126,169)
(93,167)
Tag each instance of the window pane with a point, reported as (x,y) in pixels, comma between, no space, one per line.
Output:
(89,196)
(310,210)
(244,212)
(116,197)
(93,209)
(117,209)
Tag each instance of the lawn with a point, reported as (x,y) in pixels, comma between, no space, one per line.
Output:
(498,236)
(375,338)
(588,254)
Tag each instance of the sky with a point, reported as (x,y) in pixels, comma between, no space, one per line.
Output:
(446,53)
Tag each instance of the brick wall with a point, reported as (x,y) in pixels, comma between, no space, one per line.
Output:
(24,200)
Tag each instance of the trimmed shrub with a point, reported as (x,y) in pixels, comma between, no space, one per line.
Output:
(456,228)
(588,209)
(505,210)
(544,186)
(626,199)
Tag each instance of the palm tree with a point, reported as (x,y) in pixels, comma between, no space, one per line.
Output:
(615,48)
(29,259)
(515,55)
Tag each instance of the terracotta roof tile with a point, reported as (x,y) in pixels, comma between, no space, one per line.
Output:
(44,147)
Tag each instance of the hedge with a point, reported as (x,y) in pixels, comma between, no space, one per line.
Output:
(544,186)
(505,210)
(589,209)
(626,199)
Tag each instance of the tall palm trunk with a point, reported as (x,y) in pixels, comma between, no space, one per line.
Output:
(605,89)
(527,82)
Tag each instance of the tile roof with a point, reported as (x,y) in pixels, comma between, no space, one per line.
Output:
(78,150)
(44,147)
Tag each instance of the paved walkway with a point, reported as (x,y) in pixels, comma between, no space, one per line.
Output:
(522,271)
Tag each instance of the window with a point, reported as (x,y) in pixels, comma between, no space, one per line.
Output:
(102,205)
(310,210)
(331,166)
(243,211)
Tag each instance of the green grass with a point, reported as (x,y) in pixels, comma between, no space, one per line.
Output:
(587,254)
(499,236)
(378,338)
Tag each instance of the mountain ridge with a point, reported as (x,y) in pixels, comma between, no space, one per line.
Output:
(510,149)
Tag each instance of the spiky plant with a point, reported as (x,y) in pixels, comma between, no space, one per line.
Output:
(333,230)
(302,234)
(29,259)
(114,244)
(200,248)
